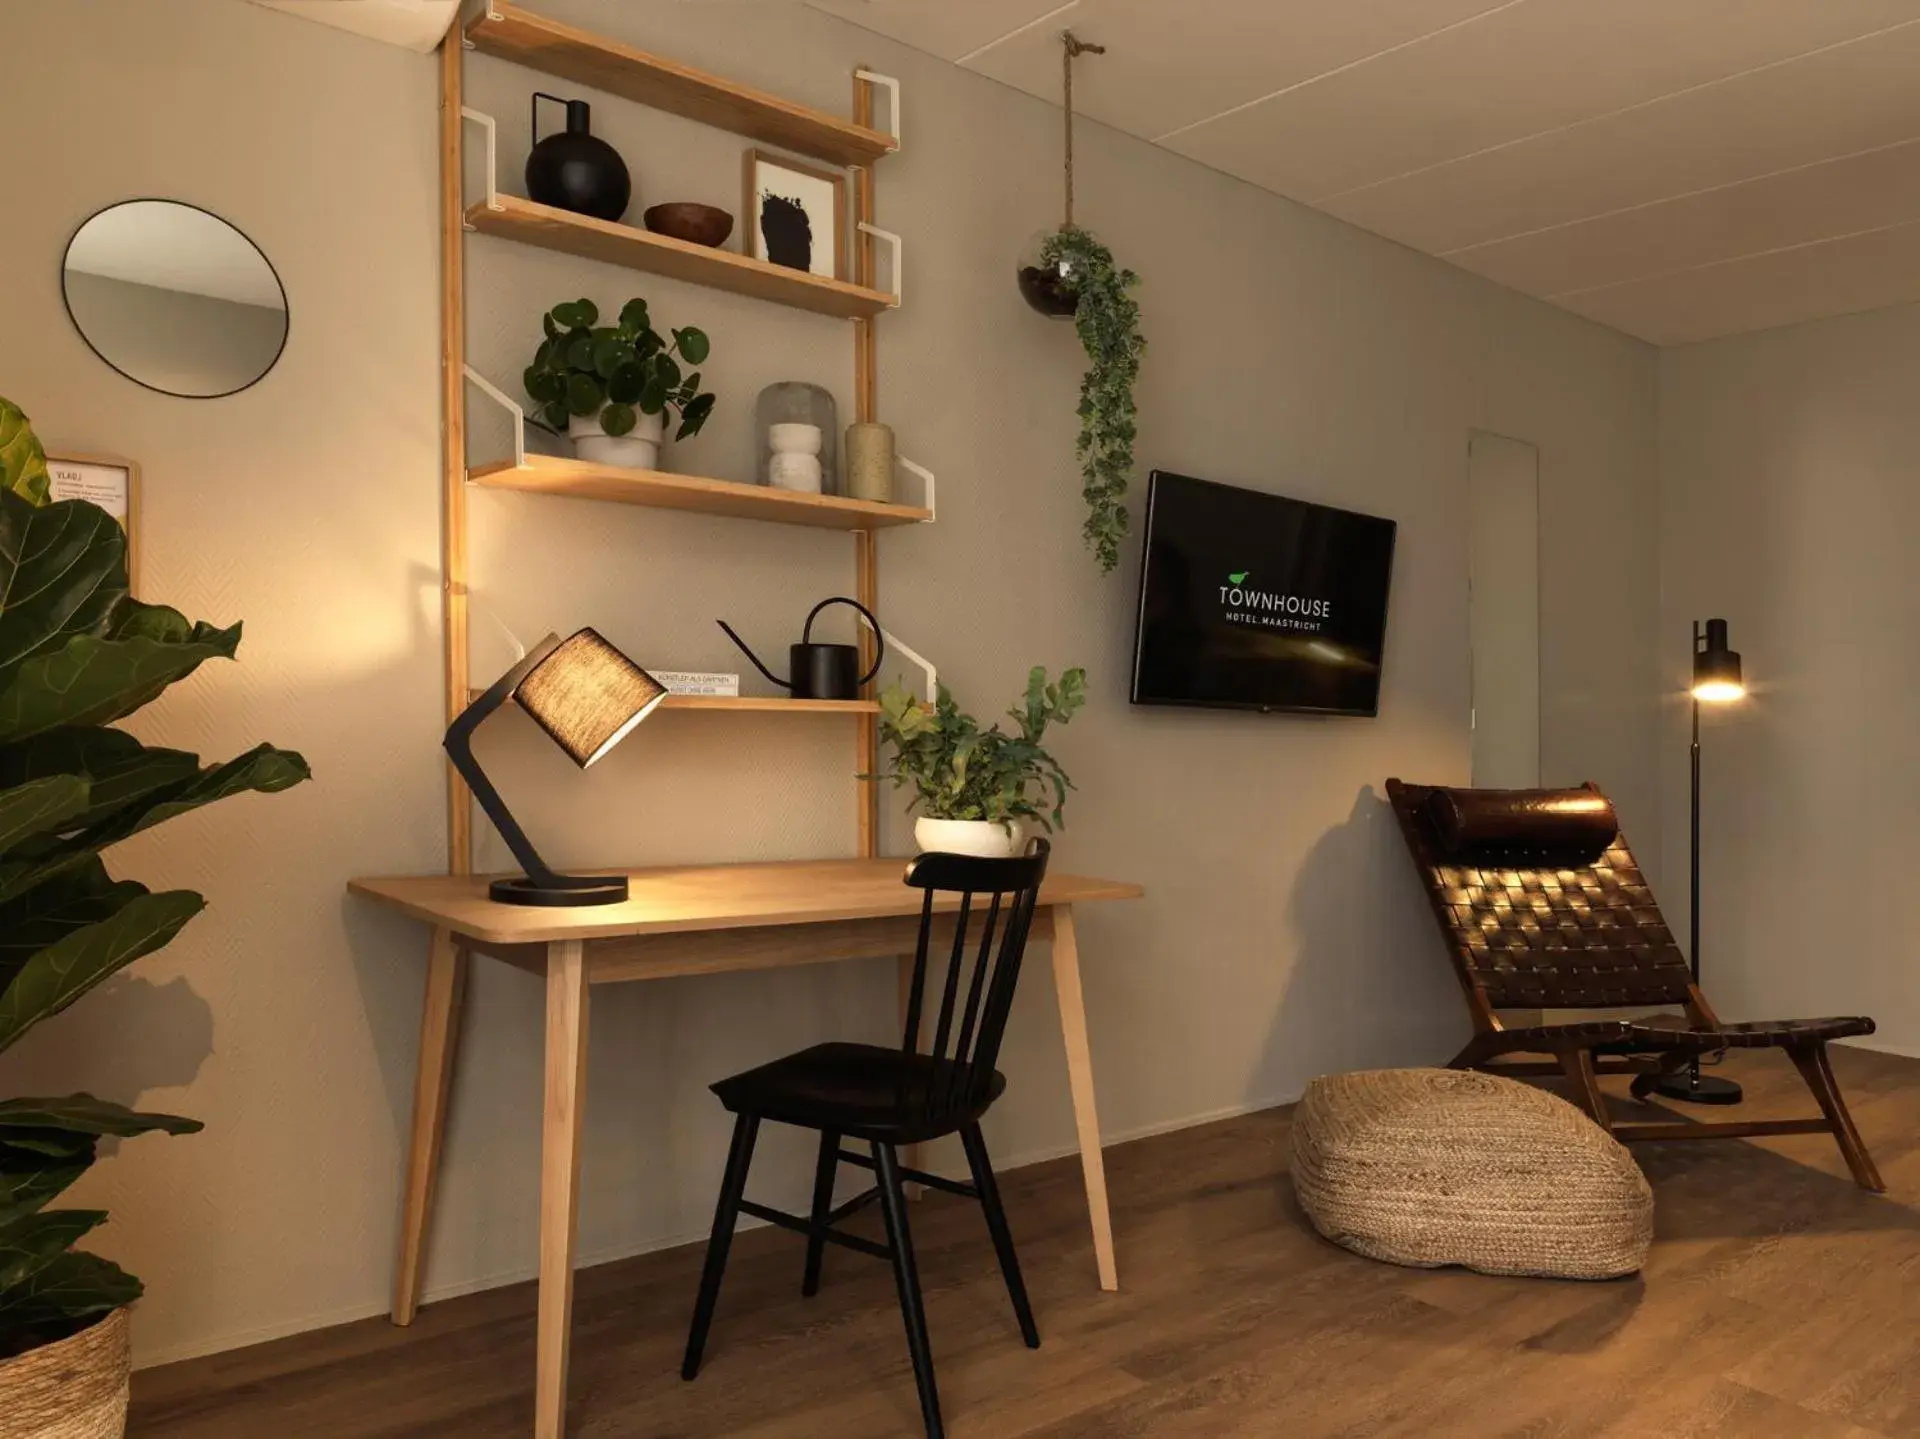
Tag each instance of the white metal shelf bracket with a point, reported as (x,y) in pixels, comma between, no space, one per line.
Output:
(898,260)
(485,122)
(892,87)
(486,12)
(927,500)
(498,395)
(913,656)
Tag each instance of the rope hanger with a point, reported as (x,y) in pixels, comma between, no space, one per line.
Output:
(1071,47)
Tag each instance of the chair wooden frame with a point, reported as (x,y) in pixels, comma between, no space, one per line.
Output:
(1529,930)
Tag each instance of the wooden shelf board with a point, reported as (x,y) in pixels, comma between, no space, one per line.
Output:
(547,45)
(580,479)
(757,704)
(532,223)
(769,704)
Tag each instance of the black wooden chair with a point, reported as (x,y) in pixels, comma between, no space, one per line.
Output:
(895,1097)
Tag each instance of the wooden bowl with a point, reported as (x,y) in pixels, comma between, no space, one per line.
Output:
(707,225)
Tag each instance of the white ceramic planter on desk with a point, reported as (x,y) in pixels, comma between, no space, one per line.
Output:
(979,837)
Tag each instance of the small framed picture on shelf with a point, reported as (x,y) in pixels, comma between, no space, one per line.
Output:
(796,215)
(113,485)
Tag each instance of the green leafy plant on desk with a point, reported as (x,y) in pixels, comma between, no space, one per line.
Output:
(77,652)
(958,770)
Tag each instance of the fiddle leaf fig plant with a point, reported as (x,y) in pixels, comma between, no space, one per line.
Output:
(959,771)
(1107,319)
(77,652)
(618,372)
(23,464)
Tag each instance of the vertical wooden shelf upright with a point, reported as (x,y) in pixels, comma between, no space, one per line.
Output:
(505,30)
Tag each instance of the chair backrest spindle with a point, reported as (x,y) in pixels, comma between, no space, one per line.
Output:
(975,994)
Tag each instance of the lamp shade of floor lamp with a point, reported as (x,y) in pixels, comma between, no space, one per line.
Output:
(588,697)
(1717,680)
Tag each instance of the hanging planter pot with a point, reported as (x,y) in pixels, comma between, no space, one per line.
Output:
(1066,273)
(1048,284)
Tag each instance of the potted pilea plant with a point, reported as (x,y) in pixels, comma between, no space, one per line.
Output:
(977,790)
(612,387)
(80,653)
(1107,319)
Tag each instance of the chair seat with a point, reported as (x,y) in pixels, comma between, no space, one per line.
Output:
(859,1089)
(1645,1036)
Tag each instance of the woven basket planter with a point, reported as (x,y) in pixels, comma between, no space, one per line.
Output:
(76,1389)
(1429,1167)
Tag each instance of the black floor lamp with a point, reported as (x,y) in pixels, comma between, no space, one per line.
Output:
(1716,681)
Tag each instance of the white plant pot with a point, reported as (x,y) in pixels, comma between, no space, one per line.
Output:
(970,836)
(639,449)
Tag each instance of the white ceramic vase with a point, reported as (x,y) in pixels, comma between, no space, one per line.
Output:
(638,449)
(970,836)
(795,461)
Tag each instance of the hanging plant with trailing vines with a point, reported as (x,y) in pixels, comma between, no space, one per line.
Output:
(1069,273)
(1107,319)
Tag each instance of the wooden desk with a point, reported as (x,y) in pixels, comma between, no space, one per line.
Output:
(676,921)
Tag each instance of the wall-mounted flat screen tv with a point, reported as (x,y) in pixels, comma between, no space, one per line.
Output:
(1254,601)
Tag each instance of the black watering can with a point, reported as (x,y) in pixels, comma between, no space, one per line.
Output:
(821,671)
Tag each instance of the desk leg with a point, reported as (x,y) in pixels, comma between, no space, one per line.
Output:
(447,966)
(560,1177)
(1073,1027)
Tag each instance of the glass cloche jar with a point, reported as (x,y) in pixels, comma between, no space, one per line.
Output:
(796,429)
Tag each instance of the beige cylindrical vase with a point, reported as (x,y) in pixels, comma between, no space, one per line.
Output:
(870,462)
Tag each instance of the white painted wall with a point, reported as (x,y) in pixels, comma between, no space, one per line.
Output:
(1284,934)
(1789,507)
(1503,571)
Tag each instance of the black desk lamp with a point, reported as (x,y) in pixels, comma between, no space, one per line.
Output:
(588,697)
(1716,680)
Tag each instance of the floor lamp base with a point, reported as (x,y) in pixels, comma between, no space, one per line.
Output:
(1690,1086)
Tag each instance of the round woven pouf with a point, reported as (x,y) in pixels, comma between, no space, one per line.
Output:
(75,1389)
(1430,1167)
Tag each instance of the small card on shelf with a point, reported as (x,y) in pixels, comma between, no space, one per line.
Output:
(693,682)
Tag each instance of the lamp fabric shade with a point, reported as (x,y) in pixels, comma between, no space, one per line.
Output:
(587,695)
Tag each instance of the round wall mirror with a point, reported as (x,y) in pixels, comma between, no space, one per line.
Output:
(174,298)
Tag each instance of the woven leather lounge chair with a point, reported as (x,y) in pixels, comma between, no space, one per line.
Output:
(1542,907)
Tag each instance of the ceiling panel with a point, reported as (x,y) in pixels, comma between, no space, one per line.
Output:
(947,28)
(1662,165)
(1228,53)
(1836,277)
(1520,71)
(1839,197)
(1841,101)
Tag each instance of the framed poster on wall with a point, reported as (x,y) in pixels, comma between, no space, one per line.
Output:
(112,484)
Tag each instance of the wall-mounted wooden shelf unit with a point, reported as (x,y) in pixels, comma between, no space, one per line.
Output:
(550,475)
(547,45)
(532,223)
(505,30)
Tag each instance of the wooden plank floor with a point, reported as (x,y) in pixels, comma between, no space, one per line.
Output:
(1779,1301)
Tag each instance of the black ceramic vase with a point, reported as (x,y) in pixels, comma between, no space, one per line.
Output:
(573,169)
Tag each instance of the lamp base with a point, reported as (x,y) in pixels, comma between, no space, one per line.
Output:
(1692,1087)
(561,890)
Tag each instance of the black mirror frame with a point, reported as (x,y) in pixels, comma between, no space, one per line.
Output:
(286,306)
